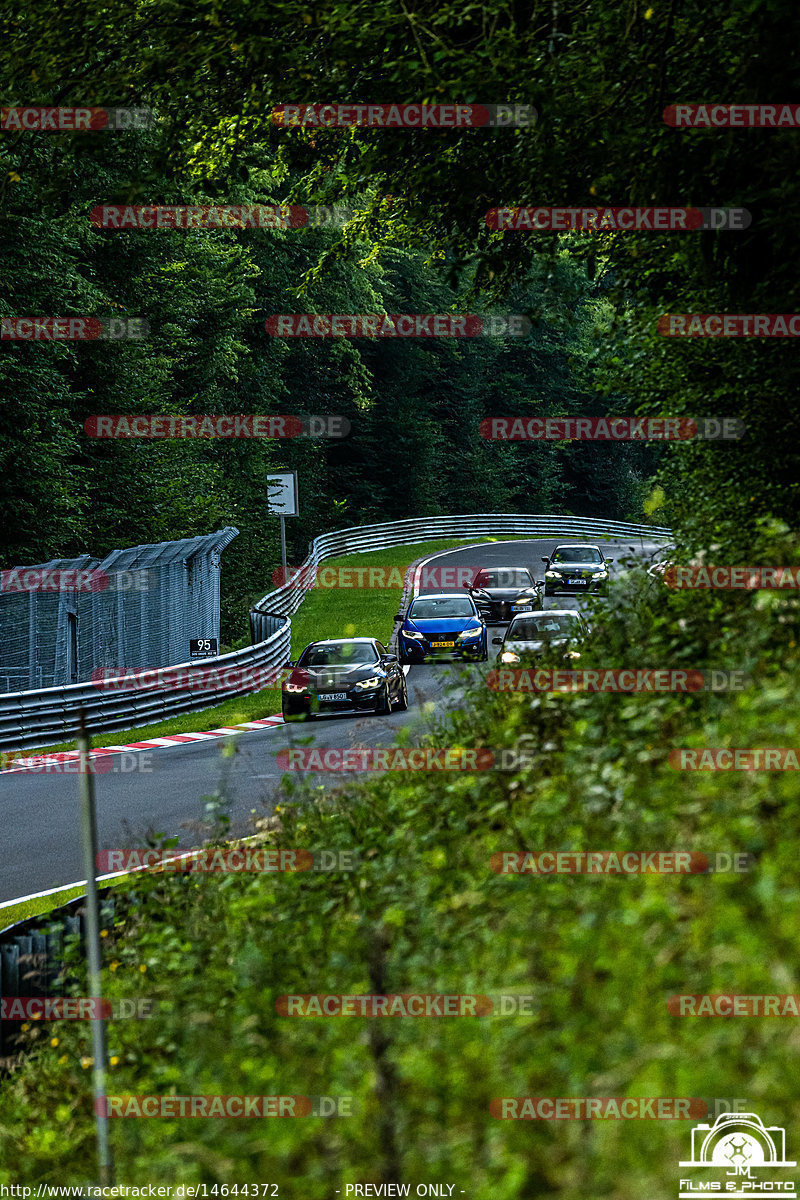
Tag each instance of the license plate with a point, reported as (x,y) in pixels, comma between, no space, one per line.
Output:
(576,581)
(520,607)
(441,645)
(334,696)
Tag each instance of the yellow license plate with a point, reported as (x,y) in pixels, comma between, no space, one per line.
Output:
(441,645)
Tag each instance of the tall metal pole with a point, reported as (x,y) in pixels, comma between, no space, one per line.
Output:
(284,577)
(89,845)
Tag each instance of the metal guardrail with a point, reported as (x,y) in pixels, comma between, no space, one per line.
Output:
(47,715)
(363,538)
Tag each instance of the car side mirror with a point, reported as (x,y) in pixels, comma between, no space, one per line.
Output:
(545,561)
(539,582)
(390,658)
(609,561)
(497,641)
(398,617)
(289,664)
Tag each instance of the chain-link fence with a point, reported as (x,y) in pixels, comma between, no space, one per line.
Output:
(63,621)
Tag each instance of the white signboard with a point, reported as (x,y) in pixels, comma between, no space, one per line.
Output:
(282,493)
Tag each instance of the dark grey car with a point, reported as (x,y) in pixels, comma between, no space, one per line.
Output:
(576,568)
(502,592)
(346,675)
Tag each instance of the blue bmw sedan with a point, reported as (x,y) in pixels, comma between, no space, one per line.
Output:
(444,625)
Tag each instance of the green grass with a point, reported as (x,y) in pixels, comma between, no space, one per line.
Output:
(22,910)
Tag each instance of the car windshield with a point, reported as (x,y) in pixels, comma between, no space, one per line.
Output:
(428,608)
(577,554)
(338,654)
(504,577)
(535,629)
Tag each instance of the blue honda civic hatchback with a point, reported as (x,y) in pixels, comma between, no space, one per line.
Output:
(446,625)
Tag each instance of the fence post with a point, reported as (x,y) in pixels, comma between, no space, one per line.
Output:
(89,845)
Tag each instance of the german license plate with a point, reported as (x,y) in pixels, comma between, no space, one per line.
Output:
(520,607)
(576,581)
(334,696)
(441,645)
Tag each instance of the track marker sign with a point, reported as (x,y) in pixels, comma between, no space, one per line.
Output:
(203,648)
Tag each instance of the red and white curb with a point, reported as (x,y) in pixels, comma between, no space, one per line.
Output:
(37,761)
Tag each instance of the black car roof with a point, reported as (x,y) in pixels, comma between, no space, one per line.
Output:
(441,596)
(341,641)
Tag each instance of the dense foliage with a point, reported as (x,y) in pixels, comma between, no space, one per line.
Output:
(423,911)
(414,407)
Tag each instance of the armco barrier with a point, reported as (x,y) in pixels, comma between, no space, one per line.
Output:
(365,538)
(32,955)
(49,715)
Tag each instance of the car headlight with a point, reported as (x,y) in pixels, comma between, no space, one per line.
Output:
(365,685)
(600,574)
(407,633)
(294,687)
(551,574)
(572,654)
(508,656)
(473,632)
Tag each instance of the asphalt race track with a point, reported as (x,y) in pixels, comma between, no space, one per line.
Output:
(39,842)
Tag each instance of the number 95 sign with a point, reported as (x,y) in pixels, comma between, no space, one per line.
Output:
(203,647)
